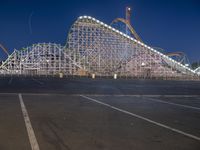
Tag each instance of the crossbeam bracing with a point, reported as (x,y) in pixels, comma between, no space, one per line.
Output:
(94,47)
(112,51)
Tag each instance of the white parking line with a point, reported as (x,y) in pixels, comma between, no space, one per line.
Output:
(170,103)
(122,95)
(31,134)
(143,118)
(37,81)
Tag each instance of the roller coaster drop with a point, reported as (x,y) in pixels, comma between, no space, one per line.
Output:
(95,48)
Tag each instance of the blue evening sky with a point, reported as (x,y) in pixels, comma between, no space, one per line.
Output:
(173,25)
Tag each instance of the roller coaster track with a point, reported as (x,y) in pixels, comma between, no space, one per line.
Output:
(94,47)
(120,45)
(197,70)
(180,56)
(126,22)
(4,49)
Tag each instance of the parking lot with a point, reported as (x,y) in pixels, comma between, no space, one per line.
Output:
(85,114)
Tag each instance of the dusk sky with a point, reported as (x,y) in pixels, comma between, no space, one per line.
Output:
(173,25)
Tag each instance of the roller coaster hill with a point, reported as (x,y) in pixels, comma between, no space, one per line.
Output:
(95,48)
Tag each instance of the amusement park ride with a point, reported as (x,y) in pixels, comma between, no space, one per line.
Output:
(129,29)
(4,49)
(95,48)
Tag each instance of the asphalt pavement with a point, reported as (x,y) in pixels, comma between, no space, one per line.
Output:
(99,114)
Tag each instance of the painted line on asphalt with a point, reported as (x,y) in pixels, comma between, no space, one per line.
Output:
(30,131)
(139,95)
(170,103)
(143,118)
(37,81)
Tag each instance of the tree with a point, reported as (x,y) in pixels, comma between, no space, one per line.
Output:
(195,65)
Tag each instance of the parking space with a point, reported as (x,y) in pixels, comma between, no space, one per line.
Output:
(13,134)
(98,122)
(178,117)
(193,101)
(101,114)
